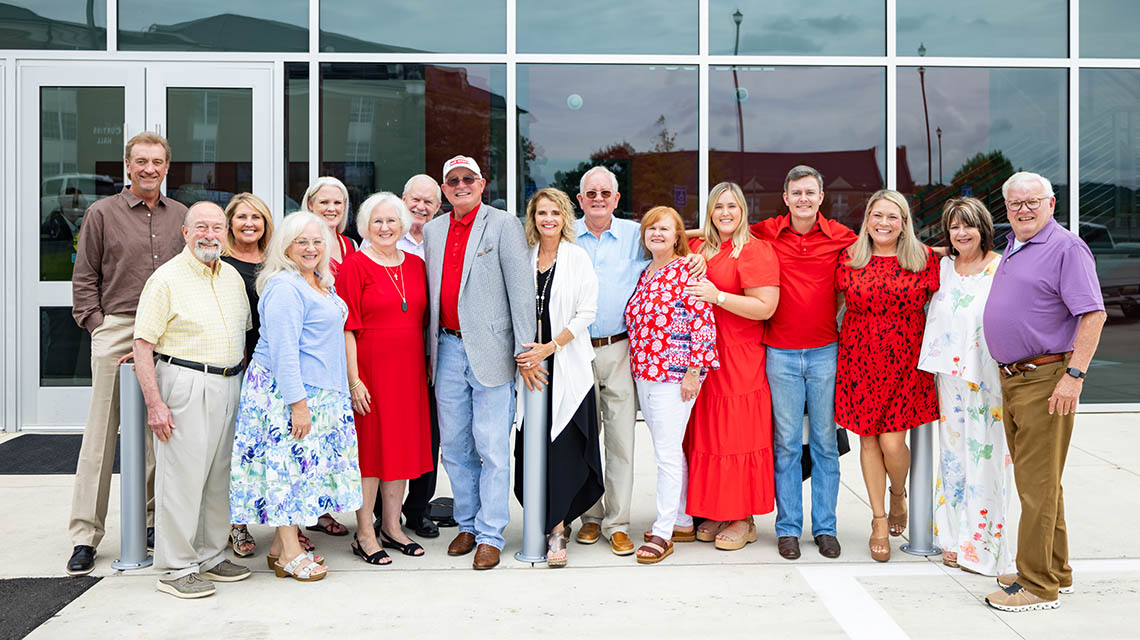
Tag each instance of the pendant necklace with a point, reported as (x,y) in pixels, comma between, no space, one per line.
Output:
(398,283)
(540,297)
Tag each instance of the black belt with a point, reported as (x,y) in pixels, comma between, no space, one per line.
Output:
(451,332)
(198,366)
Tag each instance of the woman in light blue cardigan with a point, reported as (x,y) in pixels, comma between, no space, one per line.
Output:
(294,455)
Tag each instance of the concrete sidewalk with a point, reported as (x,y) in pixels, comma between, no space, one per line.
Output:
(697,591)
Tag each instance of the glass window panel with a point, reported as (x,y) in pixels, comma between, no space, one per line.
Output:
(830,118)
(383,123)
(1110,222)
(81,160)
(65,350)
(993,122)
(1012,29)
(572,118)
(604,26)
(1108,28)
(66,24)
(296,133)
(211,133)
(442,26)
(786,27)
(214,25)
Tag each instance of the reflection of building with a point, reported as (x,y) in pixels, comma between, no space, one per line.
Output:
(24,29)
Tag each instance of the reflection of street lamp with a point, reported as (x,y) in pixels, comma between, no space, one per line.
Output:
(939,132)
(925,113)
(738,17)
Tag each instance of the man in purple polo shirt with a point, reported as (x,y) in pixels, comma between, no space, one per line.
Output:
(1042,322)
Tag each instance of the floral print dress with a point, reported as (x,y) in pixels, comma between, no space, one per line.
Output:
(975,477)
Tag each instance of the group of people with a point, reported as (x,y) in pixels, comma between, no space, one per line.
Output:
(358,363)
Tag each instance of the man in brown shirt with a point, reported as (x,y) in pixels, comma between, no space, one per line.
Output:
(122,240)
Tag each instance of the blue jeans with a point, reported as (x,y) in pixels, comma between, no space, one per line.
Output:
(474,437)
(797,376)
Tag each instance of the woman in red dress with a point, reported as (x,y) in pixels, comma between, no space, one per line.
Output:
(386,293)
(328,198)
(886,278)
(728,443)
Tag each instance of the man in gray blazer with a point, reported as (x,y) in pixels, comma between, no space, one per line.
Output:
(481,294)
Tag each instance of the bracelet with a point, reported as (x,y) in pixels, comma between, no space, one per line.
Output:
(354,385)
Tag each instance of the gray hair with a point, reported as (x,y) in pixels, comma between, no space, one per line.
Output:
(802,171)
(592,171)
(1022,177)
(192,212)
(375,200)
(276,260)
(418,176)
(327,181)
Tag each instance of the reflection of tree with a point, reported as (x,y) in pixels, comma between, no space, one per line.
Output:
(981,177)
(617,157)
(665,141)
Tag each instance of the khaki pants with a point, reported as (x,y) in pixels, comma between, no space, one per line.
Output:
(1038,443)
(192,479)
(618,402)
(109,342)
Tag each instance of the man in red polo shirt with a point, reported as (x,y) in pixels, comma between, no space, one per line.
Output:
(802,351)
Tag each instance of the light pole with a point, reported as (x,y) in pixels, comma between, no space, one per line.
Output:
(925,113)
(738,17)
(938,131)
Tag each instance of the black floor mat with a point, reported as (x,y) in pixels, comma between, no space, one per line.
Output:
(29,602)
(47,454)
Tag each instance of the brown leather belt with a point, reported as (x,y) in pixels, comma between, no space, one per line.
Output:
(451,332)
(1029,364)
(602,342)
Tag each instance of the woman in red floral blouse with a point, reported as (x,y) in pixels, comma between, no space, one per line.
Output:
(672,346)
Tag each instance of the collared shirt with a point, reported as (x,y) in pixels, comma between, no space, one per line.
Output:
(805,317)
(454,253)
(409,244)
(1040,291)
(121,243)
(669,331)
(188,310)
(618,262)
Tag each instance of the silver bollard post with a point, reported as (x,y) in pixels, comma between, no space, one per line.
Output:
(132,472)
(535,439)
(921,493)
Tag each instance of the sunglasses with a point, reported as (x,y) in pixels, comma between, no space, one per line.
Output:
(591,194)
(467,180)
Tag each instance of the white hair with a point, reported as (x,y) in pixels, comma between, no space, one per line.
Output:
(193,211)
(418,176)
(327,181)
(276,260)
(377,199)
(592,171)
(1022,177)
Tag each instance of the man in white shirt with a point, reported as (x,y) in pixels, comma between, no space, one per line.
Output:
(422,195)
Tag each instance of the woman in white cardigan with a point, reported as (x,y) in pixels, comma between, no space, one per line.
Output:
(561,356)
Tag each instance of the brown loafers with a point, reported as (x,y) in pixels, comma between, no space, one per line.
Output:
(589,533)
(462,544)
(621,544)
(828,545)
(486,557)
(789,547)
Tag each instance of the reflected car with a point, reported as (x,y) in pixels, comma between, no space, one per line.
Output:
(65,198)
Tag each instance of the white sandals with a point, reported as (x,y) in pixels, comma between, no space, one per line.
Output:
(309,573)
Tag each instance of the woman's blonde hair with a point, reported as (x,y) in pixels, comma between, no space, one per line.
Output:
(258,205)
(740,235)
(909,251)
(651,217)
(276,258)
(560,200)
(327,181)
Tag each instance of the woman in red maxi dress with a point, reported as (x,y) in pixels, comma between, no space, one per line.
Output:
(386,293)
(728,443)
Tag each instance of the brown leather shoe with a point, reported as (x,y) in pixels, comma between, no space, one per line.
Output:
(486,557)
(621,544)
(462,544)
(828,545)
(789,547)
(589,533)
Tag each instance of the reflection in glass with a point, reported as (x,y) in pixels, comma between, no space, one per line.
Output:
(81,160)
(985,124)
(1108,29)
(604,26)
(444,26)
(572,118)
(765,120)
(1012,28)
(296,134)
(1110,222)
(65,350)
(787,27)
(383,123)
(214,25)
(211,133)
(35,24)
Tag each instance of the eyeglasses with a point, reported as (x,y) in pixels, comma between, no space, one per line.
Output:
(1033,204)
(303,243)
(467,180)
(591,194)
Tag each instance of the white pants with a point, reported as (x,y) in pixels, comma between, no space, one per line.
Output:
(667,416)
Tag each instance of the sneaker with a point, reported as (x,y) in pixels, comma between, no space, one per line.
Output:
(82,560)
(1007,579)
(226,571)
(1015,598)
(188,586)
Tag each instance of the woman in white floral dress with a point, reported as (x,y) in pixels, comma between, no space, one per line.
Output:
(975,479)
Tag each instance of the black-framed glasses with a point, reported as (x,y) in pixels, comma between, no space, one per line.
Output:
(1032,204)
(591,194)
(467,180)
